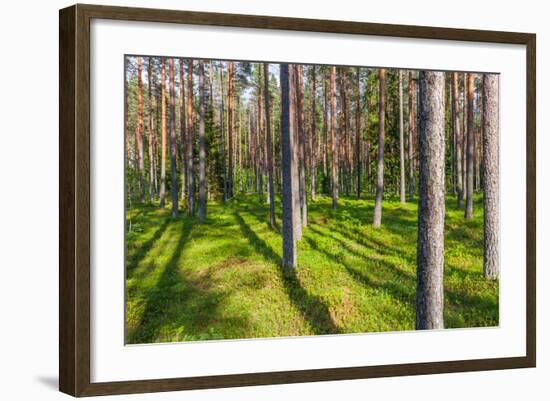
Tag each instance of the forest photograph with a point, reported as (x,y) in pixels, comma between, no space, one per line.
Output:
(268,199)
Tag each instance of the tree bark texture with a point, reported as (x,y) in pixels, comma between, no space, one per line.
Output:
(469,212)
(202,144)
(377,221)
(431,205)
(287,166)
(491,201)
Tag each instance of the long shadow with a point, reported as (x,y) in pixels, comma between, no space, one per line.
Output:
(186,305)
(137,256)
(396,290)
(312,307)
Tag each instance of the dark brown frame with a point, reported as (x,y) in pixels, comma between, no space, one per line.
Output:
(74,199)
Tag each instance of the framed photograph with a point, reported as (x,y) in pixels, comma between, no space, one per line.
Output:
(250,200)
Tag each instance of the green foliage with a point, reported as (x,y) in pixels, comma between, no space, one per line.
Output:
(222,279)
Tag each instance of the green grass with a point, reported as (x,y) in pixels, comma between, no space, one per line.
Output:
(222,279)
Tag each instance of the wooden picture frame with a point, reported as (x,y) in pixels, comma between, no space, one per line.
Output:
(74,199)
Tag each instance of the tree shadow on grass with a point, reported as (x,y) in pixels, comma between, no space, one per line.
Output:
(388,279)
(140,251)
(186,305)
(462,309)
(312,307)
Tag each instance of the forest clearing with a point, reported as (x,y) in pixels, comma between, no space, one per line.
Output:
(274,200)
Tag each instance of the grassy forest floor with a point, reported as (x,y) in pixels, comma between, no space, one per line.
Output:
(222,279)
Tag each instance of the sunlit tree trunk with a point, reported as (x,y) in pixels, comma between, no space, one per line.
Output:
(295,154)
(410,127)
(377,221)
(139,132)
(301,142)
(491,261)
(222,135)
(469,212)
(183,130)
(458,136)
(325,127)
(230,128)
(163,132)
(152,119)
(173,170)
(358,141)
(190,141)
(287,165)
(334,137)
(313,135)
(401,142)
(431,205)
(269,147)
(202,144)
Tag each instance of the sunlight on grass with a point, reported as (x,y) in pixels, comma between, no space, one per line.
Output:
(222,279)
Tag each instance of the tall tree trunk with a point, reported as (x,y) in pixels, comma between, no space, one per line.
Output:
(183,130)
(287,166)
(301,141)
(325,127)
(431,205)
(230,128)
(173,170)
(222,136)
(139,131)
(190,141)
(334,137)
(295,154)
(150,98)
(358,133)
(202,145)
(271,189)
(411,134)
(458,136)
(377,221)
(313,135)
(469,212)
(491,261)
(401,142)
(129,161)
(163,132)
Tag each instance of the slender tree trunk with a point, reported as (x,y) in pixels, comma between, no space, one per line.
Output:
(163,132)
(173,170)
(381,138)
(190,141)
(295,154)
(151,125)
(129,161)
(230,127)
(458,136)
(464,135)
(325,127)
(469,212)
(222,137)
(183,130)
(302,142)
(313,135)
(401,141)
(139,131)
(491,261)
(411,134)
(431,205)
(202,145)
(287,166)
(269,148)
(334,137)
(260,148)
(358,133)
